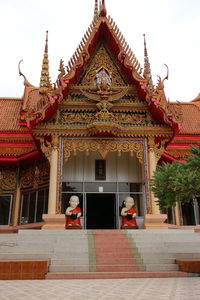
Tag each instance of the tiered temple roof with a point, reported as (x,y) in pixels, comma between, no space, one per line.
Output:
(19,117)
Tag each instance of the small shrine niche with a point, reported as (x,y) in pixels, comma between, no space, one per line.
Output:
(103,78)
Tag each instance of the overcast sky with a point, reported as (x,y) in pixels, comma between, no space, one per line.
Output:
(172,30)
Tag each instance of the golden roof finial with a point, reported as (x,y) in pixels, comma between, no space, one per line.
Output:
(45,78)
(96,9)
(147,67)
(103,11)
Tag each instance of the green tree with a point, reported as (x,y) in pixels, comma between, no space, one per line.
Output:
(177,181)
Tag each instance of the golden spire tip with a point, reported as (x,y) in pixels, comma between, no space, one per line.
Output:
(147,67)
(46,44)
(145,46)
(45,83)
(103,11)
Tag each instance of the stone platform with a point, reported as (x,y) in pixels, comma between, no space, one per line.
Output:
(103,253)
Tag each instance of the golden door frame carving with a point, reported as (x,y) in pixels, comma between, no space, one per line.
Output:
(70,147)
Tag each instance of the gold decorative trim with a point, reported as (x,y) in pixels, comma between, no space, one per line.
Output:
(157,148)
(8,179)
(47,146)
(35,175)
(15,151)
(102,61)
(103,147)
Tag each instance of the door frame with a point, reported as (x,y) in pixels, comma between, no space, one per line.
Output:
(116,207)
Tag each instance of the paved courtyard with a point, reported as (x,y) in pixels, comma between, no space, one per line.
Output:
(102,289)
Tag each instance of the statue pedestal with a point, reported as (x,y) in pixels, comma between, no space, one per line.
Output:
(155,221)
(54,222)
(73,227)
(129,227)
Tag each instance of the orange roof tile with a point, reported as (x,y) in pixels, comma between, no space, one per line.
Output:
(10,114)
(197,99)
(191,118)
(178,153)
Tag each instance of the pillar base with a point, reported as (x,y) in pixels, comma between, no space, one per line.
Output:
(54,222)
(155,221)
(197,229)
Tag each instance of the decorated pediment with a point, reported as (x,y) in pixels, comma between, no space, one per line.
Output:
(102,70)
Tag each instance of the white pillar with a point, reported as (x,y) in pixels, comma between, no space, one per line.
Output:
(53,181)
(17,206)
(177,214)
(152,168)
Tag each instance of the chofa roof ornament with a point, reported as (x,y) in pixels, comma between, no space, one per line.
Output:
(103,11)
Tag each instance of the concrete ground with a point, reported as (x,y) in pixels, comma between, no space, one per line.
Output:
(102,289)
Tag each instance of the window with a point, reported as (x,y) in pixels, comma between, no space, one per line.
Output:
(34,205)
(5,208)
(100,169)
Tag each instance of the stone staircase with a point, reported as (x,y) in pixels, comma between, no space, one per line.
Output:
(103,253)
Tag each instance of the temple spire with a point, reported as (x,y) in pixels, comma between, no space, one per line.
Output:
(103,11)
(96,9)
(45,78)
(147,67)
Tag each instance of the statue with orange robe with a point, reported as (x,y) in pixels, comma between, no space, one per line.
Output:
(128,214)
(73,214)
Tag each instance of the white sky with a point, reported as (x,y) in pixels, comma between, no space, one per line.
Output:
(171,26)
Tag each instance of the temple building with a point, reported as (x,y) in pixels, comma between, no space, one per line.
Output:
(98,133)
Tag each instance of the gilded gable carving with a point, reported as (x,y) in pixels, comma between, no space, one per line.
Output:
(104,147)
(8,179)
(35,175)
(102,63)
(72,118)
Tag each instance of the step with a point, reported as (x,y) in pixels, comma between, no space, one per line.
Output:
(115,261)
(115,275)
(99,268)
(71,256)
(104,261)
(112,244)
(156,260)
(116,254)
(22,256)
(125,250)
(117,268)
(72,261)
(69,268)
(161,267)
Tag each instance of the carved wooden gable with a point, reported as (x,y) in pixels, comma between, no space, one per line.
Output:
(103,102)
(101,65)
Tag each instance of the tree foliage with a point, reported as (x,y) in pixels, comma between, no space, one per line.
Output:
(178,181)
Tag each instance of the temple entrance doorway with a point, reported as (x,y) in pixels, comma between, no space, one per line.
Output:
(101,211)
(101,186)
